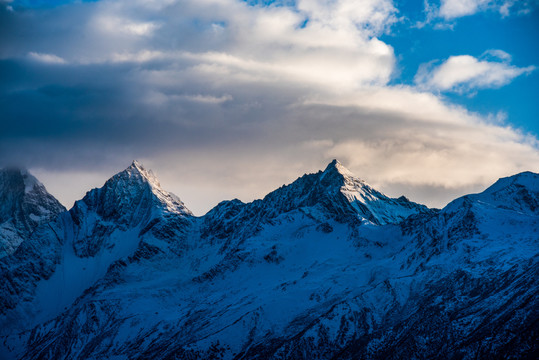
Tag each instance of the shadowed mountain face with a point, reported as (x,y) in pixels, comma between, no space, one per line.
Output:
(326,267)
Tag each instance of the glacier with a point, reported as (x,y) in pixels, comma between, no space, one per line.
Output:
(326,267)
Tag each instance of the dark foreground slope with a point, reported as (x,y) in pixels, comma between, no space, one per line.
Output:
(326,267)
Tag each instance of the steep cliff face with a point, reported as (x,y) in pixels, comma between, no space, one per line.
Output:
(24,205)
(326,267)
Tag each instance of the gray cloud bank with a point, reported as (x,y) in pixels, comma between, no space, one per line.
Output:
(224,100)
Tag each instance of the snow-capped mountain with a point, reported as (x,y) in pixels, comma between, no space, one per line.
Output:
(66,256)
(326,267)
(342,195)
(24,204)
(334,194)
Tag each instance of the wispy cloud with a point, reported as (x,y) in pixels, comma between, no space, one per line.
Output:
(450,9)
(46,58)
(119,24)
(464,73)
(443,14)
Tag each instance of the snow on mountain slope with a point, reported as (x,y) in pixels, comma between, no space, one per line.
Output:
(300,274)
(24,204)
(68,255)
(154,305)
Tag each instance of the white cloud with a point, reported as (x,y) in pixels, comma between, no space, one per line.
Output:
(499,54)
(450,9)
(464,73)
(337,46)
(119,24)
(375,16)
(159,98)
(209,99)
(331,43)
(139,57)
(46,58)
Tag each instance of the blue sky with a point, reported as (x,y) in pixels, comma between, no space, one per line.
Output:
(473,35)
(227,98)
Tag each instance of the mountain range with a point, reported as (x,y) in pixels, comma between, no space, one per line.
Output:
(326,267)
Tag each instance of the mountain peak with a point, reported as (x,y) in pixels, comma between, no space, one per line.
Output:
(519,193)
(341,195)
(137,166)
(137,171)
(133,190)
(17,177)
(336,168)
(17,181)
(525,179)
(334,163)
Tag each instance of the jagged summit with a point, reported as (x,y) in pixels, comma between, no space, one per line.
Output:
(334,193)
(369,203)
(134,189)
(336,167)
(18,179)
(134,178)
(336,174)
(137,173)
